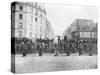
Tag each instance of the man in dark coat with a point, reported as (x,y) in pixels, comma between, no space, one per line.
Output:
(29,46)
(67,48)
(80,47)
(56,50)
(41,46)
(23,47)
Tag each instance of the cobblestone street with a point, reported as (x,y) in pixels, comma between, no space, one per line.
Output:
(34,63)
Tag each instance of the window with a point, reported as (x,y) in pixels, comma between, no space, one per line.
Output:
(20,16)
(20,7)
(92,34)
(82,34)
(36,13)
(20,33)
(36,35)
(30,26)
(41,20)
(41,29)
(85,34)
(20,25)
(31,18)
(40,35)
(41,14)
(95,34)
(35,19)
(30,34)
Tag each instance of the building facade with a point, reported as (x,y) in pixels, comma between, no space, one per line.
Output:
(49,30)
(82,29)
(67,32)
(28,20)
(86,31)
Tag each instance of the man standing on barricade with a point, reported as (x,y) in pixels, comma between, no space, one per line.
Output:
(29,46)
(68,48)
(41,46)
(24,47)
(80,47)
(56,49)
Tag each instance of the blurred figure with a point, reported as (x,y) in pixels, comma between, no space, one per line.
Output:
(45,47)
(28,46)
(41,47)
(56,50)
(80,47)
(68,48)
(90,48)
(23,47)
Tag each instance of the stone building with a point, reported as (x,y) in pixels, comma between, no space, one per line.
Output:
(82,29)
(28,20)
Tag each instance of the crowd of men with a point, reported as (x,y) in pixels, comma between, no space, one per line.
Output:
(68,47)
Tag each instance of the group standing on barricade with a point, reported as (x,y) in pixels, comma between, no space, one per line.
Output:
(68,47)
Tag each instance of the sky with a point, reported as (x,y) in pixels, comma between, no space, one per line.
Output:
(61,16)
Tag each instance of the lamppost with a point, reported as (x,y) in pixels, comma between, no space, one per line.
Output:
(58,39)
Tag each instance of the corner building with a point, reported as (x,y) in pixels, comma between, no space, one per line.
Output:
(28,20)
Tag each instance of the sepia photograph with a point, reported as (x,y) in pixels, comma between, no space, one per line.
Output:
(47,37)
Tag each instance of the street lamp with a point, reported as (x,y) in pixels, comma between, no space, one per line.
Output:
(58,39)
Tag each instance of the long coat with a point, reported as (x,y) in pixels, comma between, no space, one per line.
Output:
(23,47)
